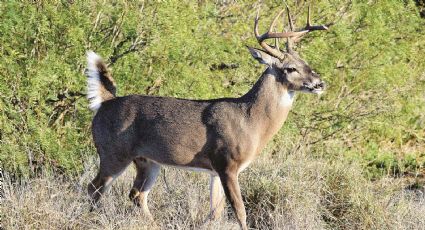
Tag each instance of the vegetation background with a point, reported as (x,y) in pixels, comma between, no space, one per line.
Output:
(352,159)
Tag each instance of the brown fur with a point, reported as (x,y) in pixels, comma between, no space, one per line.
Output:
(220,135)
(108,88)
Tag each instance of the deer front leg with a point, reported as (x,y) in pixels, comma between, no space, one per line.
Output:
(229,180)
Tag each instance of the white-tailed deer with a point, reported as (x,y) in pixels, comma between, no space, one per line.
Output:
(220,136)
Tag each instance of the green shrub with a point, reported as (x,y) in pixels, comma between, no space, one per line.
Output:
(371,58)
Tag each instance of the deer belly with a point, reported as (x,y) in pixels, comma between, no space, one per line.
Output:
(195,169)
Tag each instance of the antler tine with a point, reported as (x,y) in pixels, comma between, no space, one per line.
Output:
(273,28)
(291,23)
(309,27)
(289,42)
(257,18)
(308,16)
(268,34)
(275,20)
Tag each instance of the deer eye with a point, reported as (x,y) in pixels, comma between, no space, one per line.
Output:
(291,70)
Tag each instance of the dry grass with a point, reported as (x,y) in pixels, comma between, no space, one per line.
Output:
(297,192)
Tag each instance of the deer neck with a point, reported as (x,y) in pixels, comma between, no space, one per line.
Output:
(268,105)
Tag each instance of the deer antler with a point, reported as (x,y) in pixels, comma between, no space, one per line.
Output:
(269,34)
(295,35)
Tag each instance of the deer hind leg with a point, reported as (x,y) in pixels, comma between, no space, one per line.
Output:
(147,172)
(217,199)
(110,168)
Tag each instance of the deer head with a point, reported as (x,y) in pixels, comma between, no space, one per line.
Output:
(290,69)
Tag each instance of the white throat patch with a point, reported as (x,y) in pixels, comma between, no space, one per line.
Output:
(287,98)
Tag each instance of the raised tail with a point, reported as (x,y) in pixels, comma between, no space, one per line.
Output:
(100,84)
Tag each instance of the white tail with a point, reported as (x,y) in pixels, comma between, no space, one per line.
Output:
(100,85)
(93,81)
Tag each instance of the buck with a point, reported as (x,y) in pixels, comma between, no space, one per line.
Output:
(219,136)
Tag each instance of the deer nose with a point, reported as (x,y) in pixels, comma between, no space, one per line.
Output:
(315,85)
(320,85)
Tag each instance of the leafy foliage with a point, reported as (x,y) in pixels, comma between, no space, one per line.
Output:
(371,59)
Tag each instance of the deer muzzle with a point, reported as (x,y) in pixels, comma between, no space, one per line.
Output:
(316,87)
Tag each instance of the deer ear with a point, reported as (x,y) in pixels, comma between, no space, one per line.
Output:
(262,57)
